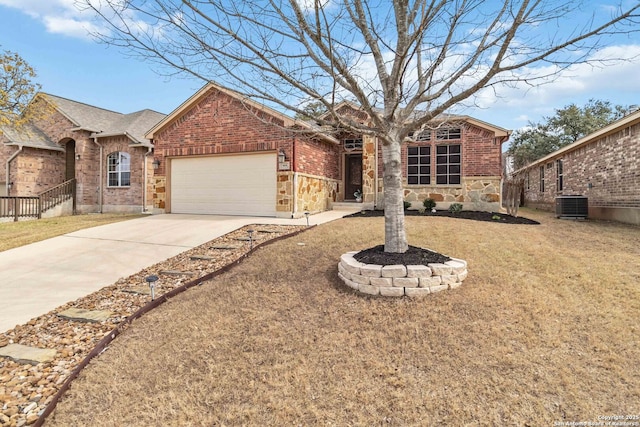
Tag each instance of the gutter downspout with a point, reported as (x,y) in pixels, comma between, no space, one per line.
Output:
(9,160)
(144,179)
(294,187)
(100,189)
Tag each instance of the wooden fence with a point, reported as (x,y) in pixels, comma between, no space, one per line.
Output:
(17,207)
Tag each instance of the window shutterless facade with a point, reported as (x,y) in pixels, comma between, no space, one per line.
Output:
(448,164)
(119,169)
(419,165)
(542,179)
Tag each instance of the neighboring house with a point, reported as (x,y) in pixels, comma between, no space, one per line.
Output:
(104,151)
(222,153)
(603,166)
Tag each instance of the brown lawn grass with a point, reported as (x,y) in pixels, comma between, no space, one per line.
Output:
(15,234)
(544,329)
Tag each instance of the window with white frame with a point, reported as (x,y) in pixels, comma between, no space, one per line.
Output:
(448,164)
(419,165)
(119,169)
(449,133)
(559,175)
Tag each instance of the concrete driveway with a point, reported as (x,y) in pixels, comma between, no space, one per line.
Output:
(37,278)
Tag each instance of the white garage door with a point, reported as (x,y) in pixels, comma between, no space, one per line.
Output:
(224,185)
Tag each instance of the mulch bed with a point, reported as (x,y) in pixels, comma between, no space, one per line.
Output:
(472,215)
(413,256)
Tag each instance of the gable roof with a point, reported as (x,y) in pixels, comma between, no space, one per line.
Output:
(28,135)
(195,98)
(626,121)
(102,123)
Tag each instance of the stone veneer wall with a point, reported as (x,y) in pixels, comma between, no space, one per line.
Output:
(400,280)
(476,193)
(313,193)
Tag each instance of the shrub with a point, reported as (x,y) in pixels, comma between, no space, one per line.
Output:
(406,204)
(429,204)
(455,208)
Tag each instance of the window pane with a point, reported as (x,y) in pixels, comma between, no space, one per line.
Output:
(413,160)
(425,180)
(412,151)
(125,179)
(441,179)
(454,158)
(441,149)
(441,169)
(454,169)
(425,151)
(441,160)
(424,170)
(454,149)
(454,179)
(412,180)
(412,170)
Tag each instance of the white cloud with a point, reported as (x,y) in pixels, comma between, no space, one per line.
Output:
(58,16)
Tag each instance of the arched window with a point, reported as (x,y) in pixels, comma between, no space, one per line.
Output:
(119,169)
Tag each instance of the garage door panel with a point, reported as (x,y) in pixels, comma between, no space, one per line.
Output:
(225,185)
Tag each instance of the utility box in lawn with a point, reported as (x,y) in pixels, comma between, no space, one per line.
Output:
(572,207)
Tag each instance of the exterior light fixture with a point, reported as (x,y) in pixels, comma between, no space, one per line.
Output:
(151,280)
(77,156)
(156,164)
(282,157)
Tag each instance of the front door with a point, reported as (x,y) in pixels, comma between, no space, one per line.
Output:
(70,160)
(353,176)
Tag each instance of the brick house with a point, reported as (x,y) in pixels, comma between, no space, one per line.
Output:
(104,151)
(222,153)
(603,166)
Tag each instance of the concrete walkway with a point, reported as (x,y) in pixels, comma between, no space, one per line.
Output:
(39,277)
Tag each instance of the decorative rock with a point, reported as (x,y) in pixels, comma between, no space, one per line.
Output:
(30,407)
(141,290)
(391,292)
(406,282)
(224,247)
(418,271)
(348,282)
(394,271)
(462,276)
(25,354)
(201,258)
(455,285)
(177,273)
(83,315)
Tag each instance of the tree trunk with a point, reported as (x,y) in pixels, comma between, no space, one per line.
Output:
(395,238)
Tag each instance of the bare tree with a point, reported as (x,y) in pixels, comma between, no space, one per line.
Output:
(405,62)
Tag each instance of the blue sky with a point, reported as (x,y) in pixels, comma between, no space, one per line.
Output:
(49,35)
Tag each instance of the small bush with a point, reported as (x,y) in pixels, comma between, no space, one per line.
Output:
(455,208)
(496,217)
(422,210)
(429,204)
(407,205)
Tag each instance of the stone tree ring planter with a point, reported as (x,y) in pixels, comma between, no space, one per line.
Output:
(400,280)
